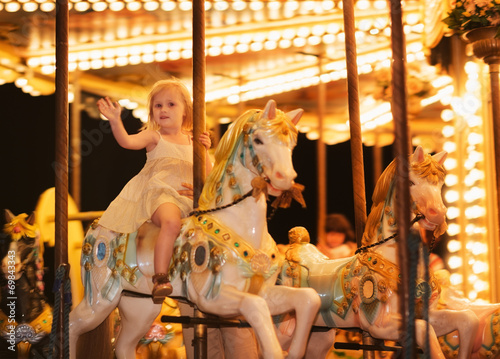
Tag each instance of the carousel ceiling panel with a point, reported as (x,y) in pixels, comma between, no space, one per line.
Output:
(255,50)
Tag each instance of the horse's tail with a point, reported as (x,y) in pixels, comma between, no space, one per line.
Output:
(97,343)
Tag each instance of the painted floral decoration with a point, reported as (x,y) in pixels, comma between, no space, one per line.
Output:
(473,14)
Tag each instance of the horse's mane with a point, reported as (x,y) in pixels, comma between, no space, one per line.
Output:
(429,169)
(280,126)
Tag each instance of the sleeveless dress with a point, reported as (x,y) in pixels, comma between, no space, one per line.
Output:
(167,166)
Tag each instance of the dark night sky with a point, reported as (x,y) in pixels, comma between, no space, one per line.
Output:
(28,145)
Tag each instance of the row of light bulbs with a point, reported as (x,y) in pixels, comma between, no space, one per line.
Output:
(289,6)
(464,112)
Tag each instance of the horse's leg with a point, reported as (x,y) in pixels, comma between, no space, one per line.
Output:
(232,302)
(421,339)
(137,315)
(305,302)
(465,321)
(85,317)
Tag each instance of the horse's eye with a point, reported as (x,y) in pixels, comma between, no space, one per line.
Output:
(258,141)
(412,183)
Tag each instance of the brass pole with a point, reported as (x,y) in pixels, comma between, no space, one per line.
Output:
(61,157)
(321,155)
(199,126)
(399,114)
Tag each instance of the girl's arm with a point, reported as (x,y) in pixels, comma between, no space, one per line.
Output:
(112,111)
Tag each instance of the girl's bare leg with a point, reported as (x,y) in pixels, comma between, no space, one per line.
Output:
(168,217)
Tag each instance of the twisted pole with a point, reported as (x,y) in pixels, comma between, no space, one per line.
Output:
(199,126)
(61,162)
(399,114)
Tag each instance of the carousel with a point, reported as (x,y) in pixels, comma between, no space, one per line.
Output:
(416,78)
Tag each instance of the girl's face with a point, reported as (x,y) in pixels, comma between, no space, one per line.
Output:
(168,109)
(334,239)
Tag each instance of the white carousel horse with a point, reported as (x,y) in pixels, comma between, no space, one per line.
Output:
(362,291)
(224,261)
(487,339)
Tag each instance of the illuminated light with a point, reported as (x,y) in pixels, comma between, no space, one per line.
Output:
(242,48)
(455,262)
(450,180)
(471,67)
(33,62)
(475,138)
(214,51)
(99,6)
(328,39)
(450,163)
(187,54)
(447,115)
(471,103)
(151,6)
(135,50)
(161,56)
(474,193)
(473,176)
(122,61)
(229,49)
(448,131)
(312,135)
(314,40)
(479,248)
(238,5)
(273,5)
(82,6)
(47,6)
(221,5)
(256,46)
(284,44)
(472,85)
(168,6)
(134,59)
(479,267)
(454,246)
(308,6)
(21,82)
(303,31)
(27,89)
(475,212)
(449,146)
(30,6)
(233,99)
(453,229)
(412,18)
(365,25)
(363,5)
(141,114)
(174,55)
(109,63)
(96,64)
(328,5)
(185,5)
(480,286)
(451,196)
(84,65)
(472,295)
(270,45)
(456,279)
(148,58)
(256,5)
(474,121)
(13,7)
(95,54)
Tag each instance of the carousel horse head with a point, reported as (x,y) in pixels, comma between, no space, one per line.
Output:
(258,147)
(426,178)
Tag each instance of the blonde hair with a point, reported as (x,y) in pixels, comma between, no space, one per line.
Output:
(176,84)
(429,169)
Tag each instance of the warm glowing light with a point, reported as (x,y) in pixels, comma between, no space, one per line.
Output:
(454,246)
(455,262)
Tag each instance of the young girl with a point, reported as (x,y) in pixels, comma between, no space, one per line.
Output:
(155,193)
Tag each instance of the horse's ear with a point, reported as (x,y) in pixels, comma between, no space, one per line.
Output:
(9,216)
(440,157)
(270,110)
(31,219)
(418,155)
(295,115)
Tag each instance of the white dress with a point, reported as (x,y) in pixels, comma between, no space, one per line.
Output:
(167,166)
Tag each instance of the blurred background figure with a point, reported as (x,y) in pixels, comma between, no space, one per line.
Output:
(339,240)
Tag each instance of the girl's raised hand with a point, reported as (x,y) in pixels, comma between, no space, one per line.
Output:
(109,109)
(205,140)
